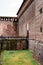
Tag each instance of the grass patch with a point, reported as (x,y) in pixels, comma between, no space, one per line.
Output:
(18,58)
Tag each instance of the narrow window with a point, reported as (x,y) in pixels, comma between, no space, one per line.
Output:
(40,29)
(40,10)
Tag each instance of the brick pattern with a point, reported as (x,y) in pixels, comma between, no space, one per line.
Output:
(38,19)
(38,52)
(34,18)
(7,29)
(27,18)
(21,45)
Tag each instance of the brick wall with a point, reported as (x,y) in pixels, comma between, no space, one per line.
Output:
(34,17)
(27,18)
(7,28)
(38,19)
(38,50)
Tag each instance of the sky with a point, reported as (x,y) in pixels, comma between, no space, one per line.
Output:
(9,7)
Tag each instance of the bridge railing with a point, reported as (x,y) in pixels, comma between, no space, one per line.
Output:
(13,43)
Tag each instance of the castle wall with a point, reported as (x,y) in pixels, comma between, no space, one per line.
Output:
(8,28)
(28,17)
(33,16)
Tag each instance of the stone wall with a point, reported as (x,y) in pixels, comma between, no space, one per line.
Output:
(38,51)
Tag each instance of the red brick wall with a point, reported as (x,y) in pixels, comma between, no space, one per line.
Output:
(33,17)
(7,28)
(27,18)
(38,19)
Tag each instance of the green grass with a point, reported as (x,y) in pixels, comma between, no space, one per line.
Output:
(18,58)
